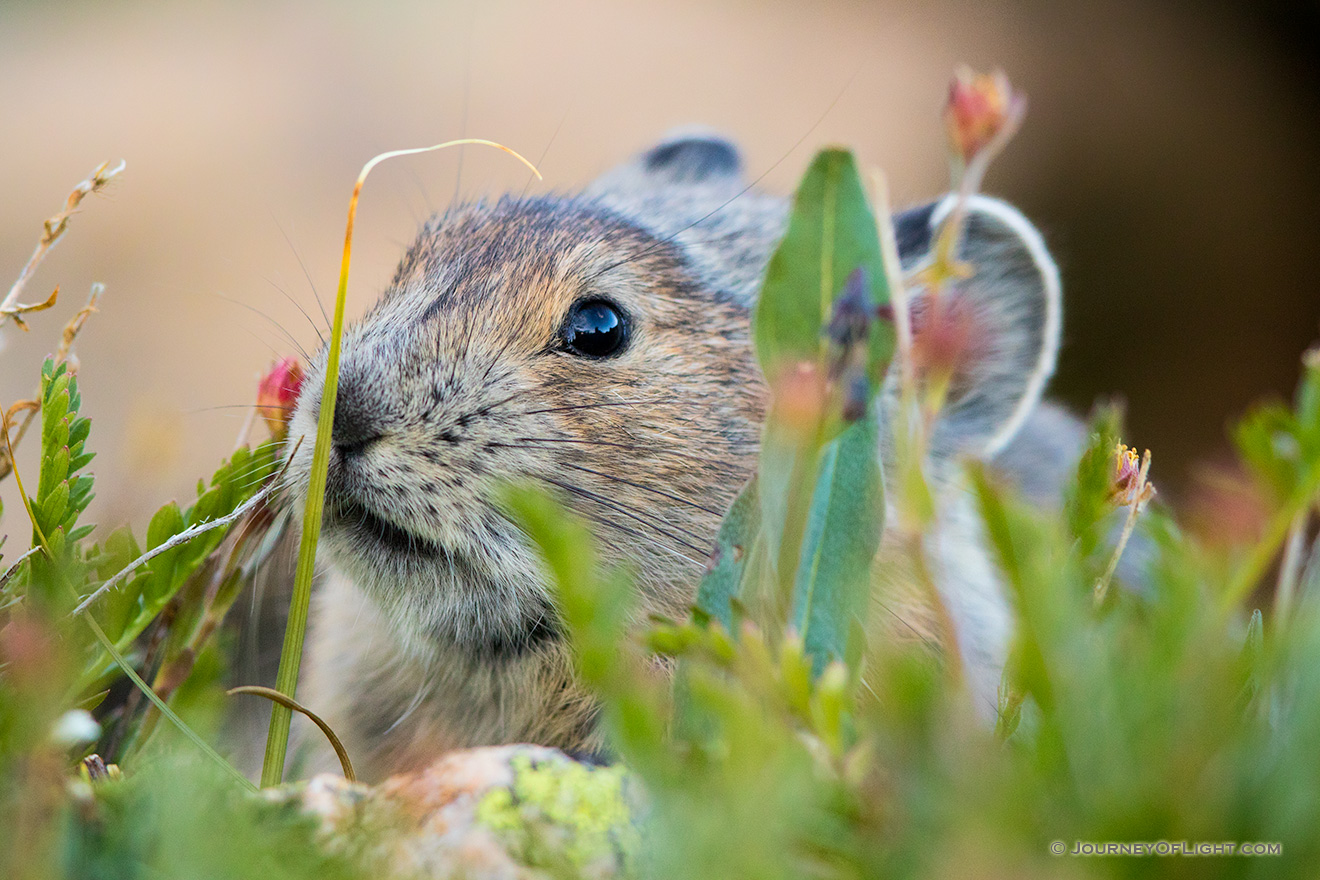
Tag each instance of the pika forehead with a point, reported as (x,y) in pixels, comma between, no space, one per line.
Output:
(510,272)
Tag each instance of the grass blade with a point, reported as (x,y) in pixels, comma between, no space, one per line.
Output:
(286,680)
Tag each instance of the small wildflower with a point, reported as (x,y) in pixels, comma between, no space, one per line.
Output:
(1130,484)
(981,108)
(1311,358)
(93,768)
(1132,490)
(278,393)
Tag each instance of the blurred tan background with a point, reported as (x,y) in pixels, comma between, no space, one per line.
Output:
(1169,155)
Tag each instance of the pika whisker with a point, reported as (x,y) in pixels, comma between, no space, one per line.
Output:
(578,406)
(644,488)
(284,293)
(637,517)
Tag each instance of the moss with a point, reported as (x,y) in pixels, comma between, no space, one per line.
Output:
(564,816)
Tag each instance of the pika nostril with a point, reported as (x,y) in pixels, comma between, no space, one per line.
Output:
(355,427)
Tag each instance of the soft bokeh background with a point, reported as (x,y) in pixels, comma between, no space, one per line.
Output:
(1169,156)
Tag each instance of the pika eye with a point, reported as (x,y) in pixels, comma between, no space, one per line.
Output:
(596,329)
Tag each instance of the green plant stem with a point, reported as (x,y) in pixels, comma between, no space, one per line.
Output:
(161,705)
(286,680)
(1290,570)
(1251,570)
(1102,585)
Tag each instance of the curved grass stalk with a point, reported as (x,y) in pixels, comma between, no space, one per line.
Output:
(290,703)
(286,681)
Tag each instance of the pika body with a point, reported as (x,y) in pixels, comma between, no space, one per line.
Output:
(599,342)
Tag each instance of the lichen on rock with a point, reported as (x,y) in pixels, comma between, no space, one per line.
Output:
(565,816)
(516,812)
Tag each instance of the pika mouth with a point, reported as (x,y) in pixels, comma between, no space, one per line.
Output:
(356,517)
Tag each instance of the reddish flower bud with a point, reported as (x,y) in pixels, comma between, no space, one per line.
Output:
(980,106)
(946,336)
(278,393)
(1225,507)
(800,395)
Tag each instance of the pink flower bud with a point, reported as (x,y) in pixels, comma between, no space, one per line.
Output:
(947,337)
(980,106)
(1130,485)
(278,393)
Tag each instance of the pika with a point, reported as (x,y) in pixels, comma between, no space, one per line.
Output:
(599,342)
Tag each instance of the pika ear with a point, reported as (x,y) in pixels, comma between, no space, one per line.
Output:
(689,156)
(1009,312)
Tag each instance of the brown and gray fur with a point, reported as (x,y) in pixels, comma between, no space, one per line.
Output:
(434,628)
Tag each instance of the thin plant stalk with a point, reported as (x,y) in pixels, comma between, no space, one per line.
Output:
(109,647)
(1102,585)
(286,681)
(1290,570)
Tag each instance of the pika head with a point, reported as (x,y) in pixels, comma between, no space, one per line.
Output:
(598,343)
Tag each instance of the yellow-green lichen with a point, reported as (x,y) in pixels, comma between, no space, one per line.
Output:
(563,816)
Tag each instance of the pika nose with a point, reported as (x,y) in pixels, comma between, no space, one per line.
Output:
(357,424)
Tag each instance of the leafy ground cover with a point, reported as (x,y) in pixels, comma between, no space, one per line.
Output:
(1176,716)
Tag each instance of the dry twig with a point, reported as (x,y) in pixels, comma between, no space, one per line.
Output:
(52,231)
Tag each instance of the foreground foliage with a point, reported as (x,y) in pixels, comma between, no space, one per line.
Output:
(792,740)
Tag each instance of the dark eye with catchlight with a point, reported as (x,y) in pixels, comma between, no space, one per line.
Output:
(596,328)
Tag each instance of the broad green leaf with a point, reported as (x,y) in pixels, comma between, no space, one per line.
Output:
(831,232)
(722,582)
(839,543)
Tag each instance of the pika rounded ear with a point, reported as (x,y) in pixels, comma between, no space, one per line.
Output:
(1011,312)
(688,156)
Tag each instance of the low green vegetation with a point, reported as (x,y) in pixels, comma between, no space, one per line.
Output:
(1177,707)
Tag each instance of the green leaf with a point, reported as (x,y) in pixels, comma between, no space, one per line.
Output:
(839,543)
(1268,441)
(54,469)
(81,532)
(1086,503)
(831,232)
(739,531)
(165,524)
(79,430)
(53,506)
(1253,652)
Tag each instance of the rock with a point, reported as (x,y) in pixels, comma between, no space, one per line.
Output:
(501,812)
